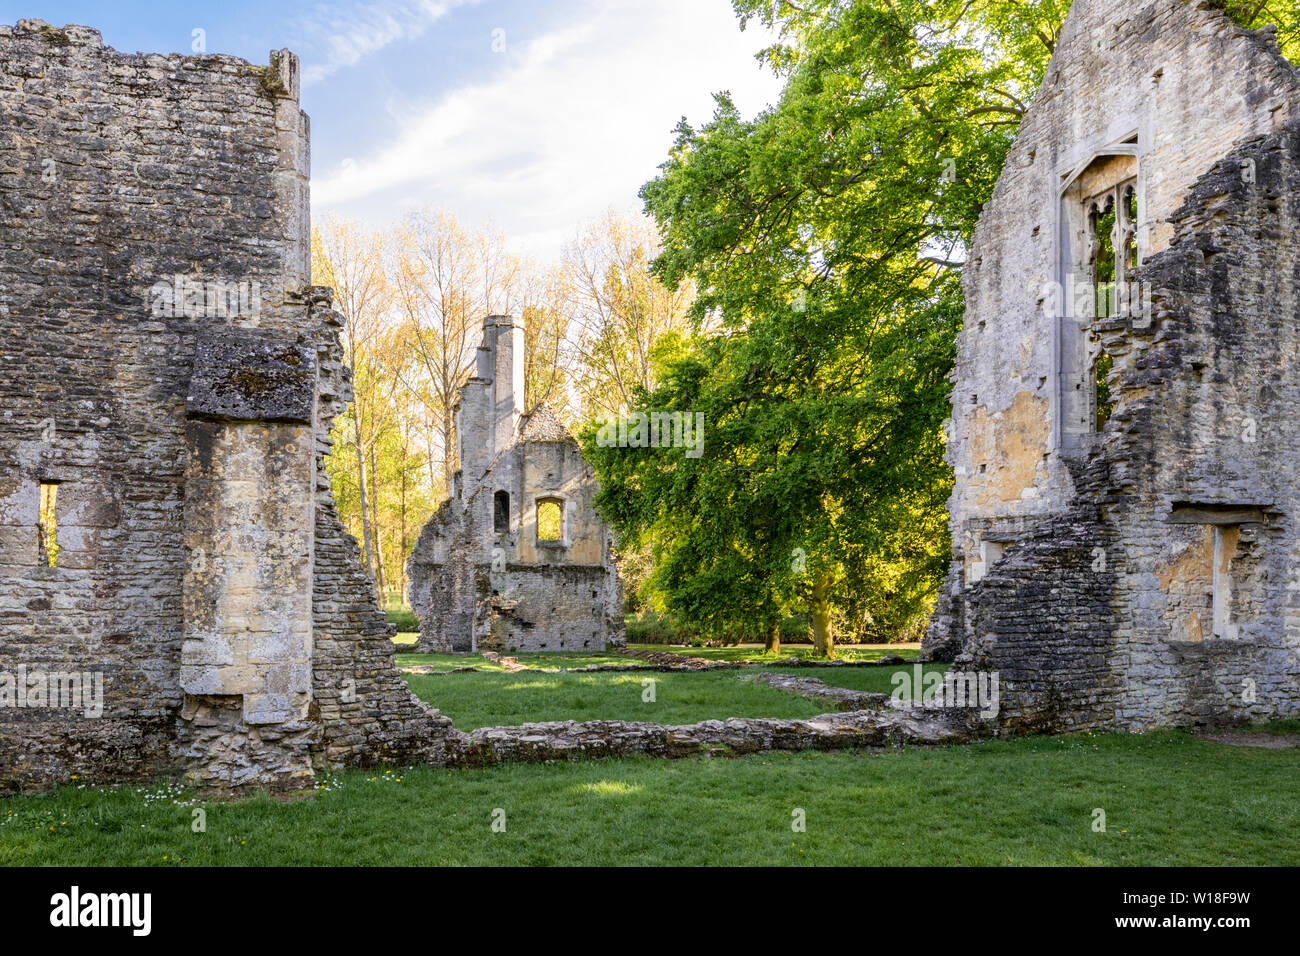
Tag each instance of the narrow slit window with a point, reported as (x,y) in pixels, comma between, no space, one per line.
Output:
(501,512)
(48,526)
(550,520)
(1103,401)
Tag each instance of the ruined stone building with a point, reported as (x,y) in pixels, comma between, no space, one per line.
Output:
(168,379)
(518,558)
(1125,433)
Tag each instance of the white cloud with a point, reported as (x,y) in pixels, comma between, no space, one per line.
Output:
(575,121)
(347,35)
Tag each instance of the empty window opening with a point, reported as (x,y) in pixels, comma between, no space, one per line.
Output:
(1129,235)
(1103,401)
(1099,209)
(1113,250)
(501,512)
(550,520)
(1201,581)
(48,525)
(1101,224)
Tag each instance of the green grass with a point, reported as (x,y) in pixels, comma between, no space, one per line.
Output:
(1169,798)
(400,613)
(496,697)
(876,680)
(489,700)
(446,662)
(562,659)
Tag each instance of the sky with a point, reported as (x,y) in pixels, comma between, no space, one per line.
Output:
(531,116)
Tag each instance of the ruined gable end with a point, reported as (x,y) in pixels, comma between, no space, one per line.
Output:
(1124,399)
(518,559)
(176,589)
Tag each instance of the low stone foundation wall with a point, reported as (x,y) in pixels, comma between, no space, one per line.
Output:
(569,740)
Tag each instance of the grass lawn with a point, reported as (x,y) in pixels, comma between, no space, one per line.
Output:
(500,699)
(1169,798)
(399,613)
(740,652)
(488,700)
(754,652)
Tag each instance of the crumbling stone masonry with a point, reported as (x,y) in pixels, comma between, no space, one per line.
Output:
(518,558)
(168,379)
(1126,409)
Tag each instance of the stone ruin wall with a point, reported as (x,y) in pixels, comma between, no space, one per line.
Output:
(1189,84)
(1091,617)
(554,597)
(118,171)
(368,715)
(513,594)
(474,588)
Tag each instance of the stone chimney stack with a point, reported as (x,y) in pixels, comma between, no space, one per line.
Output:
(503,337)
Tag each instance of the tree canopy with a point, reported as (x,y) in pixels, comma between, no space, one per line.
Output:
(825,238)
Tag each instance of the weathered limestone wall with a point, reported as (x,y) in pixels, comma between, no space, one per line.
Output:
(1117,608)
(203,574)
(474,586)
(118,169)
(368,716)
(1170,83)
(1208,431)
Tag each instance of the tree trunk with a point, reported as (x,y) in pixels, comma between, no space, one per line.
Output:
(823,635)
(401,568)
(773,645)
(374,525)
(364,494)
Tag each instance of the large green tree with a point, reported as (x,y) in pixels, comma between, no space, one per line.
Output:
(826,237)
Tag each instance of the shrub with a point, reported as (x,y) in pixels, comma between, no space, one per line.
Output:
(650,627)
(796,629)
(400,614)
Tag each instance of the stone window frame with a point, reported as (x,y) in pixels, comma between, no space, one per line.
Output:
(1073,427)
(551,497)
(1125,231)
(1229,524)
(991,547)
